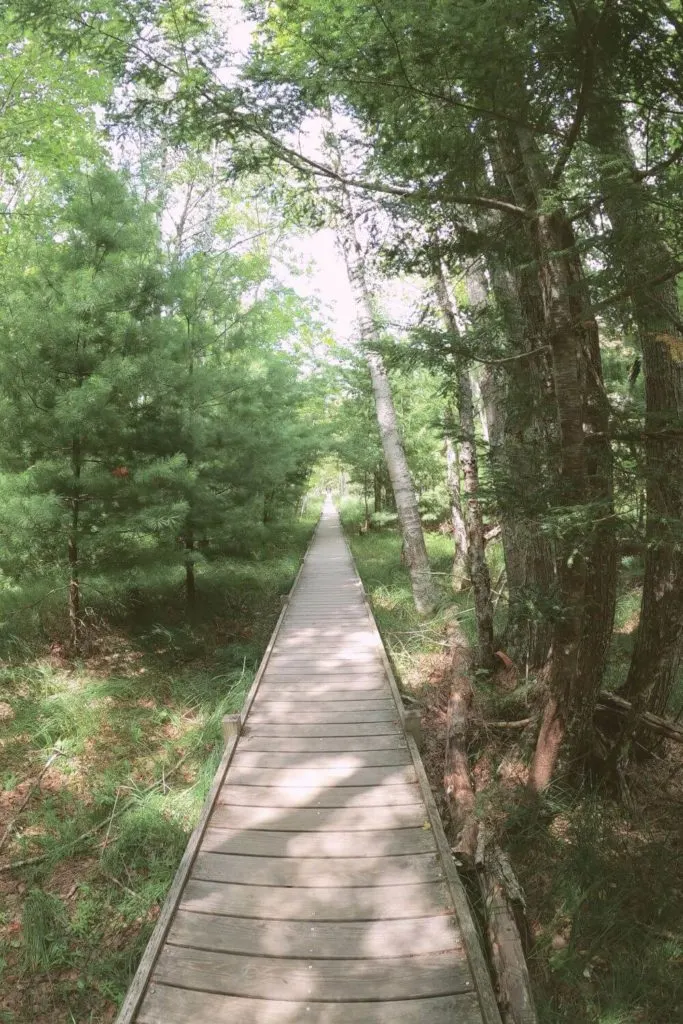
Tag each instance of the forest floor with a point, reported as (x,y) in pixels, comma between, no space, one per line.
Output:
(603,883)
(124,742)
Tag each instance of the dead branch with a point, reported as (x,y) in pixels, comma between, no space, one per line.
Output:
(612,702)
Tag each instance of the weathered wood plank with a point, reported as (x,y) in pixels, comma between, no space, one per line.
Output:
(166,1005)
(325,729)
(306,778)
(313,796)
(329,759)
(317,872)
(322,744)
(324,694)
(320,716)
(320,819)
(283,704)
(433,974)
(336,680)
(377,843)
(320,940)
(361,903)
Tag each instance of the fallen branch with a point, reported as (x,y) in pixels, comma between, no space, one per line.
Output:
(622,707)
(521,724)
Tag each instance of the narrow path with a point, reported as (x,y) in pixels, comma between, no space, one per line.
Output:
(319,891)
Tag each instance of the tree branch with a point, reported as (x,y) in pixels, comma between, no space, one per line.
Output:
(579,116)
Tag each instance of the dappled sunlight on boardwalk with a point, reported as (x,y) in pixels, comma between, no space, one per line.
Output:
(318,892)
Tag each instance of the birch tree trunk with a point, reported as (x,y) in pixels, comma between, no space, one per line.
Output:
(414,548)
(474,524)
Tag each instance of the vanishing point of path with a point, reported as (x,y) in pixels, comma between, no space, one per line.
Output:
(318,887)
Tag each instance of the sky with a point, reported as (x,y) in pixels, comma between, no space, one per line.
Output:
(316,253)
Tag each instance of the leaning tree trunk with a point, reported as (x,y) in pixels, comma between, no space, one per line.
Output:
(414,548)
(474,523)
(643,256)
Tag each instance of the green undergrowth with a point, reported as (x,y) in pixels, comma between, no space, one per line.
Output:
(406,634)
(603,883)
(131,734)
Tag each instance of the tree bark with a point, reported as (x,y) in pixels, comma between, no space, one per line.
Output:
(474,524)
(642,253)
(423,588)
(585,595)
(516,402)
(453,483)
(73,549)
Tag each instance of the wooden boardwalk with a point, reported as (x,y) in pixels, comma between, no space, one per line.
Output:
(318,886)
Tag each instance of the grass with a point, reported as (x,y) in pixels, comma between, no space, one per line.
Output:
(132,733)
(604,885)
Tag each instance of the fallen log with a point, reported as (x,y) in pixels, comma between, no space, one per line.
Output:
(502,896)
(457,782)
(505,904)
(612,702)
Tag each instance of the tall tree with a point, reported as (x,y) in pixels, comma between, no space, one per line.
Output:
(417,560)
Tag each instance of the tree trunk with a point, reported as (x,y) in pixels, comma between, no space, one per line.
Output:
(476,554)
(424,592)
(585,598)
(190,581)
(377,489)
(520,435)
(73,549)
(642,255)
(458,522)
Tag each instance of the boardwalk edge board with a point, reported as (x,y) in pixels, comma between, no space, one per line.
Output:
(138,986)
(471,938)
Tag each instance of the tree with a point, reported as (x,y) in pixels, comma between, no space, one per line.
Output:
(83,399)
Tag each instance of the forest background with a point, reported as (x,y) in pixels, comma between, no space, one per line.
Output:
(503,430)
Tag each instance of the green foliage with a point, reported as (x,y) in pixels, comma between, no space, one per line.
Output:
(44,931)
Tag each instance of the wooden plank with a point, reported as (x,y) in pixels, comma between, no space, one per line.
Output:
(308,778)
(323,744)
(354,700)
(167,1005)
(321,940)
(319,716)
(337,680)
(433,974)
(249,758)
(360,903)
(320,819)
(325,729)
(316,872)
(377,843)
(334,658)
(312,796)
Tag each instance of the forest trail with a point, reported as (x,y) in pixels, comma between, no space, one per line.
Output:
(318,886)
